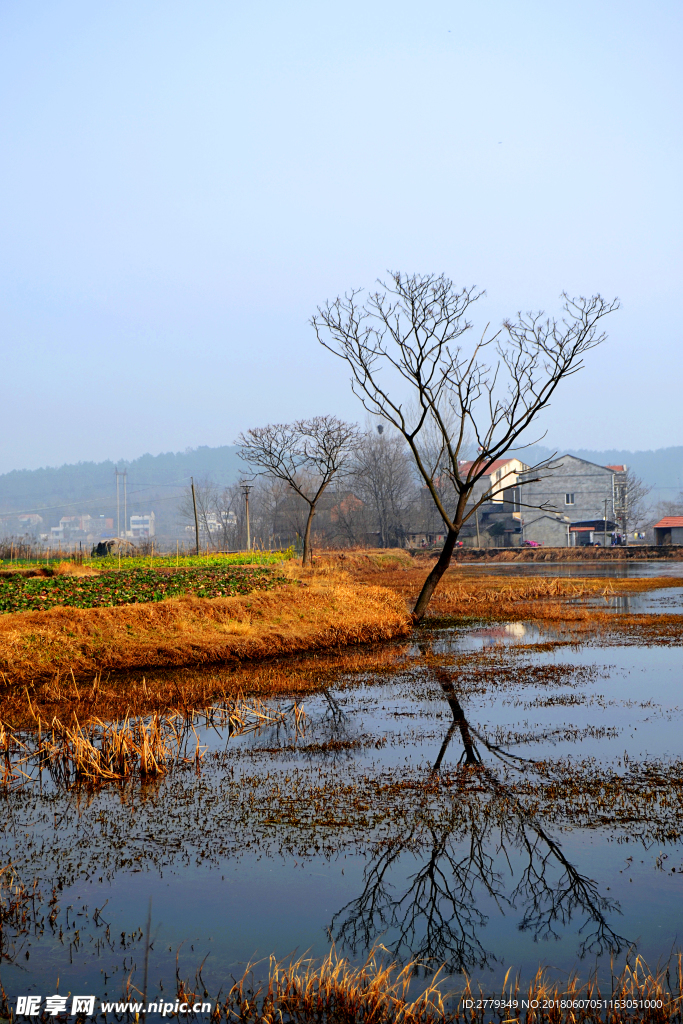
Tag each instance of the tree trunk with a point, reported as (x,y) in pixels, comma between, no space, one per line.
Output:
(443,561)
(306,559)
(459,722)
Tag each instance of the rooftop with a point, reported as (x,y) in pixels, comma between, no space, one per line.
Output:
(465,467)
(668,521)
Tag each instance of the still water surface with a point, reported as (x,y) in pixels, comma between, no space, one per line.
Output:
(357,831)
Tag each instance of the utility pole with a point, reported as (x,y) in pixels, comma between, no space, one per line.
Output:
(124,474)
(118,508)
(476,519)
(196,521)
(604,533)
(245,491)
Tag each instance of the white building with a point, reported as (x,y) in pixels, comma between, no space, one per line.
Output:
(142,526)
(75,528)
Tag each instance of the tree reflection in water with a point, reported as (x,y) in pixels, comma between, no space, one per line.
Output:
(435,915)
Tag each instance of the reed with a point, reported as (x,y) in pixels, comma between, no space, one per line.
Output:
(335,992)
(466,593)
(97,752)
(182,690)
(380,991)
(637,994)
(19,913)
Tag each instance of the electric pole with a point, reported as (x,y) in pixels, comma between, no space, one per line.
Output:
(196,521)
(245,491)
(604,534)
(124,474)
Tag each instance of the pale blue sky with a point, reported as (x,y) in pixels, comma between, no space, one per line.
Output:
(182,183)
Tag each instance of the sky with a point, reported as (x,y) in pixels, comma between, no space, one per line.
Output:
(182,184)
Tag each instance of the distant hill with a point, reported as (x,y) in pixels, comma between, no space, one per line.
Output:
(662,469)
(155,483)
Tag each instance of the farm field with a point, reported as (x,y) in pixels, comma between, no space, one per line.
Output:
(108,588)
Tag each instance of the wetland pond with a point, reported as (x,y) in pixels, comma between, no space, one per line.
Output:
(488,797)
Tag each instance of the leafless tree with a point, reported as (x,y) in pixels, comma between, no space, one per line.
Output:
(382,477)
(206,496)
(275,514)
(406,337)
(633,508)
(306,454)
(228,518)
(219,513)
(659,510)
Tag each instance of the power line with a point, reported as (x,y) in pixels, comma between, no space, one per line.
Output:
(98,502)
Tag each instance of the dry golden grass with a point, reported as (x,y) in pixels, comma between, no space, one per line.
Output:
(183,690)
(321,611)
(465,593)
(97,751)
(333,991)
(349,598)
(73,569)
(378,991)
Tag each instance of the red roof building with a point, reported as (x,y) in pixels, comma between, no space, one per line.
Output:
(669,530)
(500,476)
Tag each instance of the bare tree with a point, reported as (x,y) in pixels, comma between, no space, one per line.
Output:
(273,513)
(409,332)
(206,497)
(632,509)
(383,478)
(306,454)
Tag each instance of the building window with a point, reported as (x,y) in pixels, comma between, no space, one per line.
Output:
(569,499)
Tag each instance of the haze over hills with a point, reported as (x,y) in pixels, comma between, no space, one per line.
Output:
(156,482)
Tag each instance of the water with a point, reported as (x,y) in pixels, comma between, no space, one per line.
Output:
(631,568)
(497,797)
(649,602)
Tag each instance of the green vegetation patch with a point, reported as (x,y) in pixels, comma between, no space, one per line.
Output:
(131,586)
(212,559)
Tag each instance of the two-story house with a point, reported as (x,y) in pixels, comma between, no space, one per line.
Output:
(589,497)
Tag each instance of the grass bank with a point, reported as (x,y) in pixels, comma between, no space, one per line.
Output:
(350,598)
(465,593)
(318,611)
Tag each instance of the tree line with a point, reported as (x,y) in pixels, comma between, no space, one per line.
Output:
(373,498)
